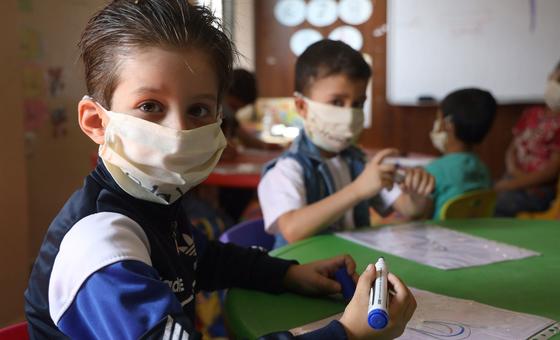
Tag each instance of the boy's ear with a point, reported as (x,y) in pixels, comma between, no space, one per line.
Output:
(92,120)
(301,106)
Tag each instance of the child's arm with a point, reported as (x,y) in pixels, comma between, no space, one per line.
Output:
(353,323)
(526,180)
(309,220)
(415,201)
(511,166)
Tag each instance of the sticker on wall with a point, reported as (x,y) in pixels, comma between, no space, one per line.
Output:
(355,12)
(34,85)
(31,44)
(25,5)
(56,85)
(36,113)
(349,35)
(322,13)
(290,12)
(59,119)
(302,39)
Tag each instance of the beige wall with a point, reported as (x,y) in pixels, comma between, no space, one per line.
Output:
(39,172)
(57,165)
(13,200)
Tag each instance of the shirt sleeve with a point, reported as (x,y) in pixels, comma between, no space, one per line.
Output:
(227,265)
(282,189)
(125,300)
(334,330)
(523,122)
(103,286)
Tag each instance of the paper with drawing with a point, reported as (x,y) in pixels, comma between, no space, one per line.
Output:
(442,317)
(436,246)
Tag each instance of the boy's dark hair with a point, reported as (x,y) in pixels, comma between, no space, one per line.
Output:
(125,25)
(472,112)
(243,86)
(328,57)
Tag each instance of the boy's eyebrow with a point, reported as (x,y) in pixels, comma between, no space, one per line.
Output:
(346,95)
(147,89)
(208,96)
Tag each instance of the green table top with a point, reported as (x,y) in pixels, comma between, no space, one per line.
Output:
(530,285)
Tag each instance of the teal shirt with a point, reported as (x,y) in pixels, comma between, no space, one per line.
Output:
(456,174)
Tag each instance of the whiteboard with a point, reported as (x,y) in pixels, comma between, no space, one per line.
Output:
(436,46)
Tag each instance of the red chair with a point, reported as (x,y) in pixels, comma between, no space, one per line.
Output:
(15,332)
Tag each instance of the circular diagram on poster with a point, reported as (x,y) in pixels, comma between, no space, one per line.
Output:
(302,39)
(355,12)
(322,13)
(349,35)
(290,12)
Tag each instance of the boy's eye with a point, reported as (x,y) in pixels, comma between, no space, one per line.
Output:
(337,102)
(150,107)
(199,111)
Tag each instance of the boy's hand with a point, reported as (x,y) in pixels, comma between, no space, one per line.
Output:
(401,307)
(418,181)
(316,278)
(376,175)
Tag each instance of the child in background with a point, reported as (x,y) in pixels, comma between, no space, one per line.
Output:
(533,157)
(463,120)
(120,260)
(242,93)
(323,183)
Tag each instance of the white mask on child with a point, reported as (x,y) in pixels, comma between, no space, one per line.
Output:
(332,128)
(552,95)
(156,163)
(439,138)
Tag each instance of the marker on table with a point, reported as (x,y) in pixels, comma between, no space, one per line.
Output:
(378,312)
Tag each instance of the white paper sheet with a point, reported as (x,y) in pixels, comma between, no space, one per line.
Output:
(442,317)
(436,246)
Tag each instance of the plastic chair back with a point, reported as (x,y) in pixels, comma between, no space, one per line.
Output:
(473,204)
(17,331)
(247,234)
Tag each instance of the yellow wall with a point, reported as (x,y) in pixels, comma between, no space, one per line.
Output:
(13,200)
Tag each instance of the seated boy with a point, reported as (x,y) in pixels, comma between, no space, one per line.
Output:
(463,120)
(533,157)
(323,183)
(120,260)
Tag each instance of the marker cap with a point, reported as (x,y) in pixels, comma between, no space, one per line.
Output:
(378,319)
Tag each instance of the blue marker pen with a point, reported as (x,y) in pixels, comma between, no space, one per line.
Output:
(378,311)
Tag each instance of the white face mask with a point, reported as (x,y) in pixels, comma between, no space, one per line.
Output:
(156,163)
(439,138)
(552,95)
(332,128)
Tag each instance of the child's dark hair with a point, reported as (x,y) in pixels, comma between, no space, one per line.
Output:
(125,25)
(243,86)
(328,57)
(472,112)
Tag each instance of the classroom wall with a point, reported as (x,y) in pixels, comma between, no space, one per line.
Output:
(58,153)
(406,128)
(13,200)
